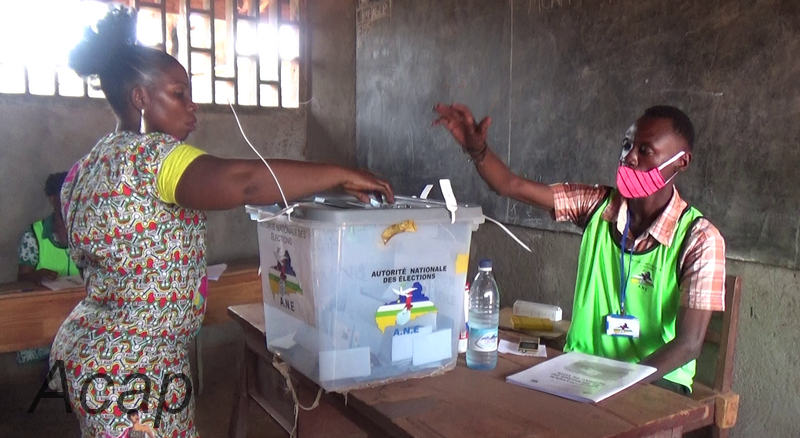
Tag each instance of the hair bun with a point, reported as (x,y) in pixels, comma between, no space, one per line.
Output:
(95,54)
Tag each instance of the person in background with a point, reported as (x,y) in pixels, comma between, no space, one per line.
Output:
(43,250)
(134,213)
(43,254)
(647,257)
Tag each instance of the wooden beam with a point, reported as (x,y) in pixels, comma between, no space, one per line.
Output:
(726,410)
(712,337)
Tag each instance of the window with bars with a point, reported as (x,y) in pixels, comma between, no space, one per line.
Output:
(244,51)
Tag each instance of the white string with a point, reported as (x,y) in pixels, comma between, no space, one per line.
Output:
(451,234)
(287,209)
(671,160)
(509,233)
(283,368)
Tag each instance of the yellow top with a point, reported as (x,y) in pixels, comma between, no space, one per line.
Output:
(172,169)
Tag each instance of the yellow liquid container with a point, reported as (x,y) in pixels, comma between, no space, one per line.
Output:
(528,323)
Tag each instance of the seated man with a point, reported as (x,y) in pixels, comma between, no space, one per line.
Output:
(43,252)
(669,275)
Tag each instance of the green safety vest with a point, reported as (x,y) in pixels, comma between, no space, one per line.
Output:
(652,294)
(52,257)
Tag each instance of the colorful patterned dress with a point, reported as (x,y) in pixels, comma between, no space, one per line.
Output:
(144,265)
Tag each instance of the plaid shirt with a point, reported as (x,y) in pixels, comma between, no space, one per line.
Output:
(702,264)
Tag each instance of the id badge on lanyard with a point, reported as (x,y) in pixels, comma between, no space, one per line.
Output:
(622,324)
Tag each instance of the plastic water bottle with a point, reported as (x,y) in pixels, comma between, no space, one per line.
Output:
(484,317)
(462,336)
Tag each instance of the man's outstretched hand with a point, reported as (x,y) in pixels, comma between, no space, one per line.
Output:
(458,120)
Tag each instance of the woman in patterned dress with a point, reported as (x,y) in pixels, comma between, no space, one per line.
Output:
(133,209)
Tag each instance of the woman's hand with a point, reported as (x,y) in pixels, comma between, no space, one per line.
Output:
(211,183)
(30,273)
(361,184)
(458,120)
(46,274)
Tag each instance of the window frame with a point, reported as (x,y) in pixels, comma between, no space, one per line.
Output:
(184,26)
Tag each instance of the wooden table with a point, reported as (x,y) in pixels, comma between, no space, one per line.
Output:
(459,403)
(30,319)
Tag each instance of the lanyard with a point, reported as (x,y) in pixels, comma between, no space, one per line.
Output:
(623,277)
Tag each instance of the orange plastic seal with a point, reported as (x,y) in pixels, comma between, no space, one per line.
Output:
(402,227)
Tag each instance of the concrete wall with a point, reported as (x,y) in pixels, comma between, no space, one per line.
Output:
(767,353)
(331,107)
(39,136)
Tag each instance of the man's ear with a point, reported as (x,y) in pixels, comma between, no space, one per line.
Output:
(139,98)
(684,161)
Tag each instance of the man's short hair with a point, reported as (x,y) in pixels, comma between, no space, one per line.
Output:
(52,187)
(681,124)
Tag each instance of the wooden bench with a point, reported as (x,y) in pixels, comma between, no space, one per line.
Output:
(31,319)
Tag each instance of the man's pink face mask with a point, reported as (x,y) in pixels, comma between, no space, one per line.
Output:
(636,183)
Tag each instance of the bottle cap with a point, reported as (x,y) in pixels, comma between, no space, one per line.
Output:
(485,264)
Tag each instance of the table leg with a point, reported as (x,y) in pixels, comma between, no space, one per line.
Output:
(716,432)
(241,398)
(673,433)
(199,361)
